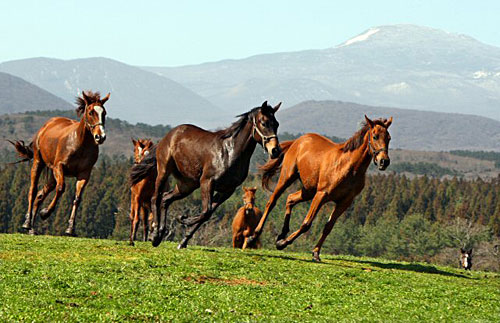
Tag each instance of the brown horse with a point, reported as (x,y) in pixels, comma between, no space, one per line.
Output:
(217,162)
(141,192)
(68,148)
(246,219)
(328,172)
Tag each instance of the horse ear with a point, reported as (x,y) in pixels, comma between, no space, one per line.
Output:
(133,141)
(462,250)
(106,98)
(244,189)
(388,122)
(369,122)
(277,107)
(85,98)
(470,251)
(264,104)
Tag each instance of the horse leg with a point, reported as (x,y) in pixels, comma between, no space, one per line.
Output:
(209,205)
(316,204)
(292,200)
(337,211)
(42,194)
(59,176)
(134,216)
(36,170)
(284,181)
(145,223)
(81,182)
(156,201)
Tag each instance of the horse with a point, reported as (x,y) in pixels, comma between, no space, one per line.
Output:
(246,219)
(216,162)
(466,258)
(141,192)
(328,172)
(69,148)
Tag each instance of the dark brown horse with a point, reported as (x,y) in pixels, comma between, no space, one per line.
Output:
(68,148)
(328,172)
(217,162)
(246,219)
(141,192)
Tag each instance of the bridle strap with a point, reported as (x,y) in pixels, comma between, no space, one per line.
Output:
(91,126)
(373,151)
(264,138)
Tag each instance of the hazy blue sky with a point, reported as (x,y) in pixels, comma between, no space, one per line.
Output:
(170,33)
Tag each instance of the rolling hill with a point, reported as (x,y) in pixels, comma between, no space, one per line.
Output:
(17,95)
(47,278)
(136,95)
(411,129)
(405,66)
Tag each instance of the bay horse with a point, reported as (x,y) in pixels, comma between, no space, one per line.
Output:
(466,258)
(68,148)
(141,192)
(328,171)
(246,219)
(216,162)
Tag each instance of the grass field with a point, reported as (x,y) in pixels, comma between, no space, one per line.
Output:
(50,279)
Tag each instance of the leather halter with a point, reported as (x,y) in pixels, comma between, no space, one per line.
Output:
(265,139)
(373,151)
(91,126)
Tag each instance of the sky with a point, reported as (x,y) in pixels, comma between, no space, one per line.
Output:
(173,33)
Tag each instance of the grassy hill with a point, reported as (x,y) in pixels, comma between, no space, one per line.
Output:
(47,278)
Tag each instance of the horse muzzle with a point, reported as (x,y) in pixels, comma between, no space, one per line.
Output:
(383,163)
(99,139)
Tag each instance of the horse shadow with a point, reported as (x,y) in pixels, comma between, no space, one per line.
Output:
(414,267)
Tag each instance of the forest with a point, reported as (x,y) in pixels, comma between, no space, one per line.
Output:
(395,217)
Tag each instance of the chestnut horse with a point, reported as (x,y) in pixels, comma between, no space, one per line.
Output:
(141,192)
(217,162)
(68,148)
(328,172)
(246,219)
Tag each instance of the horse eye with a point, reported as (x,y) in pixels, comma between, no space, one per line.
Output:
(375,137)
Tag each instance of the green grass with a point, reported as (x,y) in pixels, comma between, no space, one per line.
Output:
(47,278)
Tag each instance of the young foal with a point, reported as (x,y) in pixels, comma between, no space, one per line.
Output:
(466,258)
(68,148)
(141,192)
(246,219)
(328,172)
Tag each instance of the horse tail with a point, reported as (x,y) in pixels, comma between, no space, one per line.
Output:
(273,166)
(23,151)
(146,167)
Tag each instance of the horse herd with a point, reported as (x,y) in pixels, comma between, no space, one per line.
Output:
(217,162)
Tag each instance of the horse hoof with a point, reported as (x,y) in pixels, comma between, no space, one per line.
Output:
(70,232)
(27,224)
(131,243)
(281,244)
(316,257)
(32,232)
(44,214)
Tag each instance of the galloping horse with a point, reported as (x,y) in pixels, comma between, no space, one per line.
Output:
(141,192)
(68,148)
(328,172)
(246,219)
(217,162)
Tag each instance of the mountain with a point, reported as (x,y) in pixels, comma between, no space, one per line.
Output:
(136,95)
(17,95)
(411,129)
(398,65)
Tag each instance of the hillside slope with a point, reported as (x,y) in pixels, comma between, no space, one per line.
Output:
(405,66)
(411,129)
(136,95)
(59,279)
(17,95)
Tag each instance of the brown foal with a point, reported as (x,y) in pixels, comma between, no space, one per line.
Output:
(246,219)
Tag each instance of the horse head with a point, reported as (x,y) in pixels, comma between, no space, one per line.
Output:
(141,149)
(378,141)
(265,129)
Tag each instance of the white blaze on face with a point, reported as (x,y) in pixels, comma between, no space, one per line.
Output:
(140,150)
(99,110)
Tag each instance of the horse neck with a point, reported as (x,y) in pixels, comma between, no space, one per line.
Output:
(83,133)
(361,156)
(242,145)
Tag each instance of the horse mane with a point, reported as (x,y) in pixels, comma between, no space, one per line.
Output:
(238,125)
(356,140)
(91,98)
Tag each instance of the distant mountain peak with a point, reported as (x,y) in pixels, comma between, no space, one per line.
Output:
(362,37)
